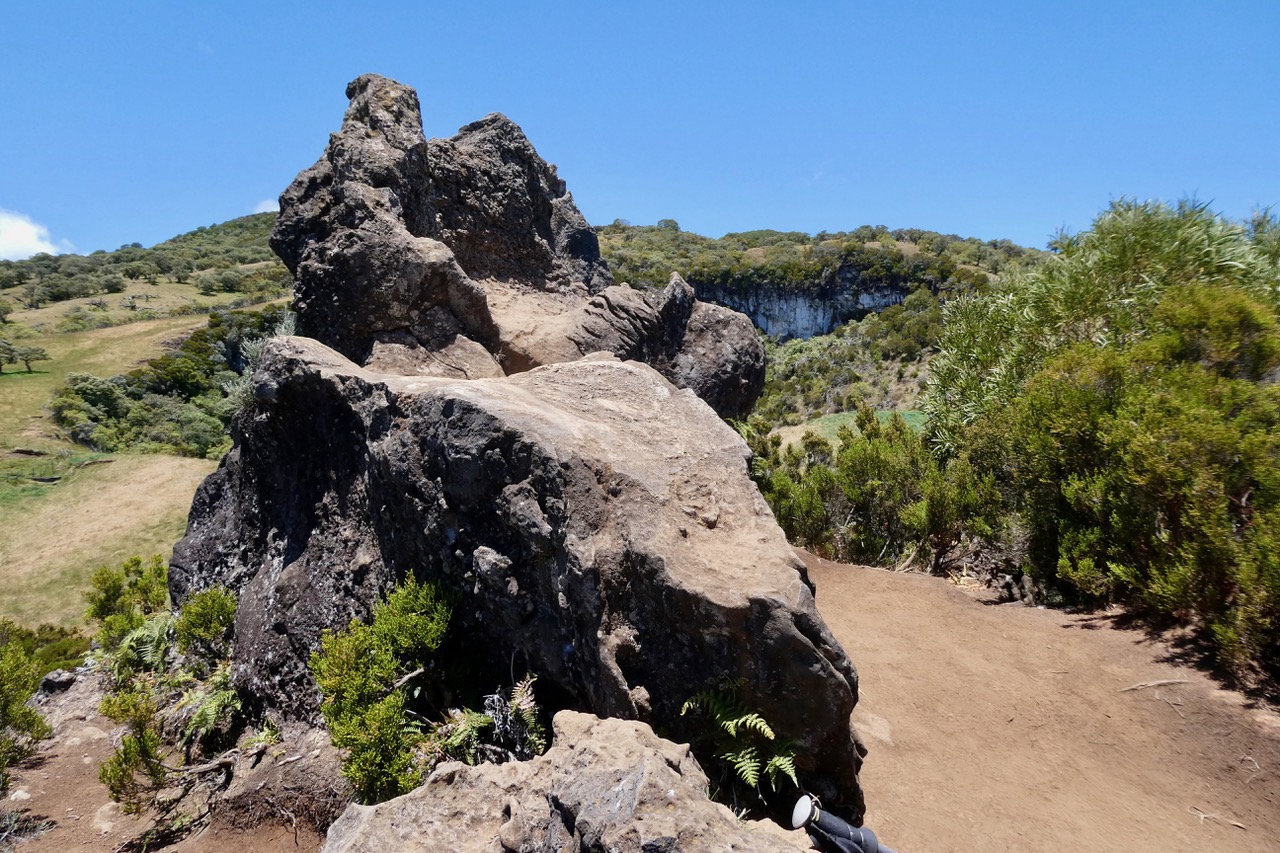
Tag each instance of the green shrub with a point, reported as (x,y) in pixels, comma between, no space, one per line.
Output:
(204,623)
(21,727)
(135,770)
(120,600)
(1122,397)
(356,670)
(181,402)
(879,496)
(50,647)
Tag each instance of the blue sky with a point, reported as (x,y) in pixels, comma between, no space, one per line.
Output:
(139,121)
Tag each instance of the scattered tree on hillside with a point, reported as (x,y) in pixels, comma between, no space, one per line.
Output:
(26,355)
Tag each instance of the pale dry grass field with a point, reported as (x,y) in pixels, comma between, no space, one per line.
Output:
(55,534)
(100,515)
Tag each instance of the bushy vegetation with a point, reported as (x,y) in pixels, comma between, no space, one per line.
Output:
(169,683)
(359,670)
(21,727)
(1124,398)
(375,679)
(880,360)
(49,647)
(1115,405)
(181,402)
(877,495)
(202,257)
(121,599)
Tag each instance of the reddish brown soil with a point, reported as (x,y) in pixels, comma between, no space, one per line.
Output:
(62,785)
(1009,728)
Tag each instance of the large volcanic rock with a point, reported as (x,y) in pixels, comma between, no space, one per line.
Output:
(605,785)
(467,258)
(598,523)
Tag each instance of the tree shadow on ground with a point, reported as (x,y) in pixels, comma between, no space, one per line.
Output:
(1183,645)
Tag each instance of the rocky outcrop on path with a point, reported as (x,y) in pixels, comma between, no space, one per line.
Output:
(467,258)
(598,523)
(605,785)
(459,412)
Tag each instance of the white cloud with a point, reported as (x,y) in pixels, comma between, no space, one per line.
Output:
(21,237)
(267,205)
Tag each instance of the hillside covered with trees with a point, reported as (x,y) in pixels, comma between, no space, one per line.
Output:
(229,258)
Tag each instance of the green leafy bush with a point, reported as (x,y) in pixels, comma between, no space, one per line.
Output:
(181,402)
(1122,396)
(21,727)
(49,647)
(167,702)
(204,623)
(135,770)
(357,670)
(878,497)
(121,599)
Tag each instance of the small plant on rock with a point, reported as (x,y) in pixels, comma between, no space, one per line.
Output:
(363,671)
(742,740)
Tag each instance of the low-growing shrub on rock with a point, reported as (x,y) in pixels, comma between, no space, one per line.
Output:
(374,679)
(21,727)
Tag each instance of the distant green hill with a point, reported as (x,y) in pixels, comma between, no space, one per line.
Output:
(232,257)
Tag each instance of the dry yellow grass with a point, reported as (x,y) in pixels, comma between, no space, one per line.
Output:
(100,515)
(95,515)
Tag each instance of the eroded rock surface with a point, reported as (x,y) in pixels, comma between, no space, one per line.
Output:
(598,523)
(467,258)
(605,785)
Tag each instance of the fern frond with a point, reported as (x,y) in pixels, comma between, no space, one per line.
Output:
(145,647)
(746,763)
(751,722)
(781,764)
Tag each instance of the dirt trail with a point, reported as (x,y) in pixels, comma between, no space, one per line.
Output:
(991,728)
(1009,728)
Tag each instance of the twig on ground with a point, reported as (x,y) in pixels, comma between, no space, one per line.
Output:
(1174,706)
(1143,685)
(1203,817)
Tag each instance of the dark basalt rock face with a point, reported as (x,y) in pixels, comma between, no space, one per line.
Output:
(453,257)
(464,418)
(598,523)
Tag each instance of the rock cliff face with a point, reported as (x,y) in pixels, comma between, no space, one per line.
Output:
(605,785)
(787,312)
(467,258)
(464,418)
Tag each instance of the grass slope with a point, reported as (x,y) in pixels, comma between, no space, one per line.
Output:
(57,533)
(96,515)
